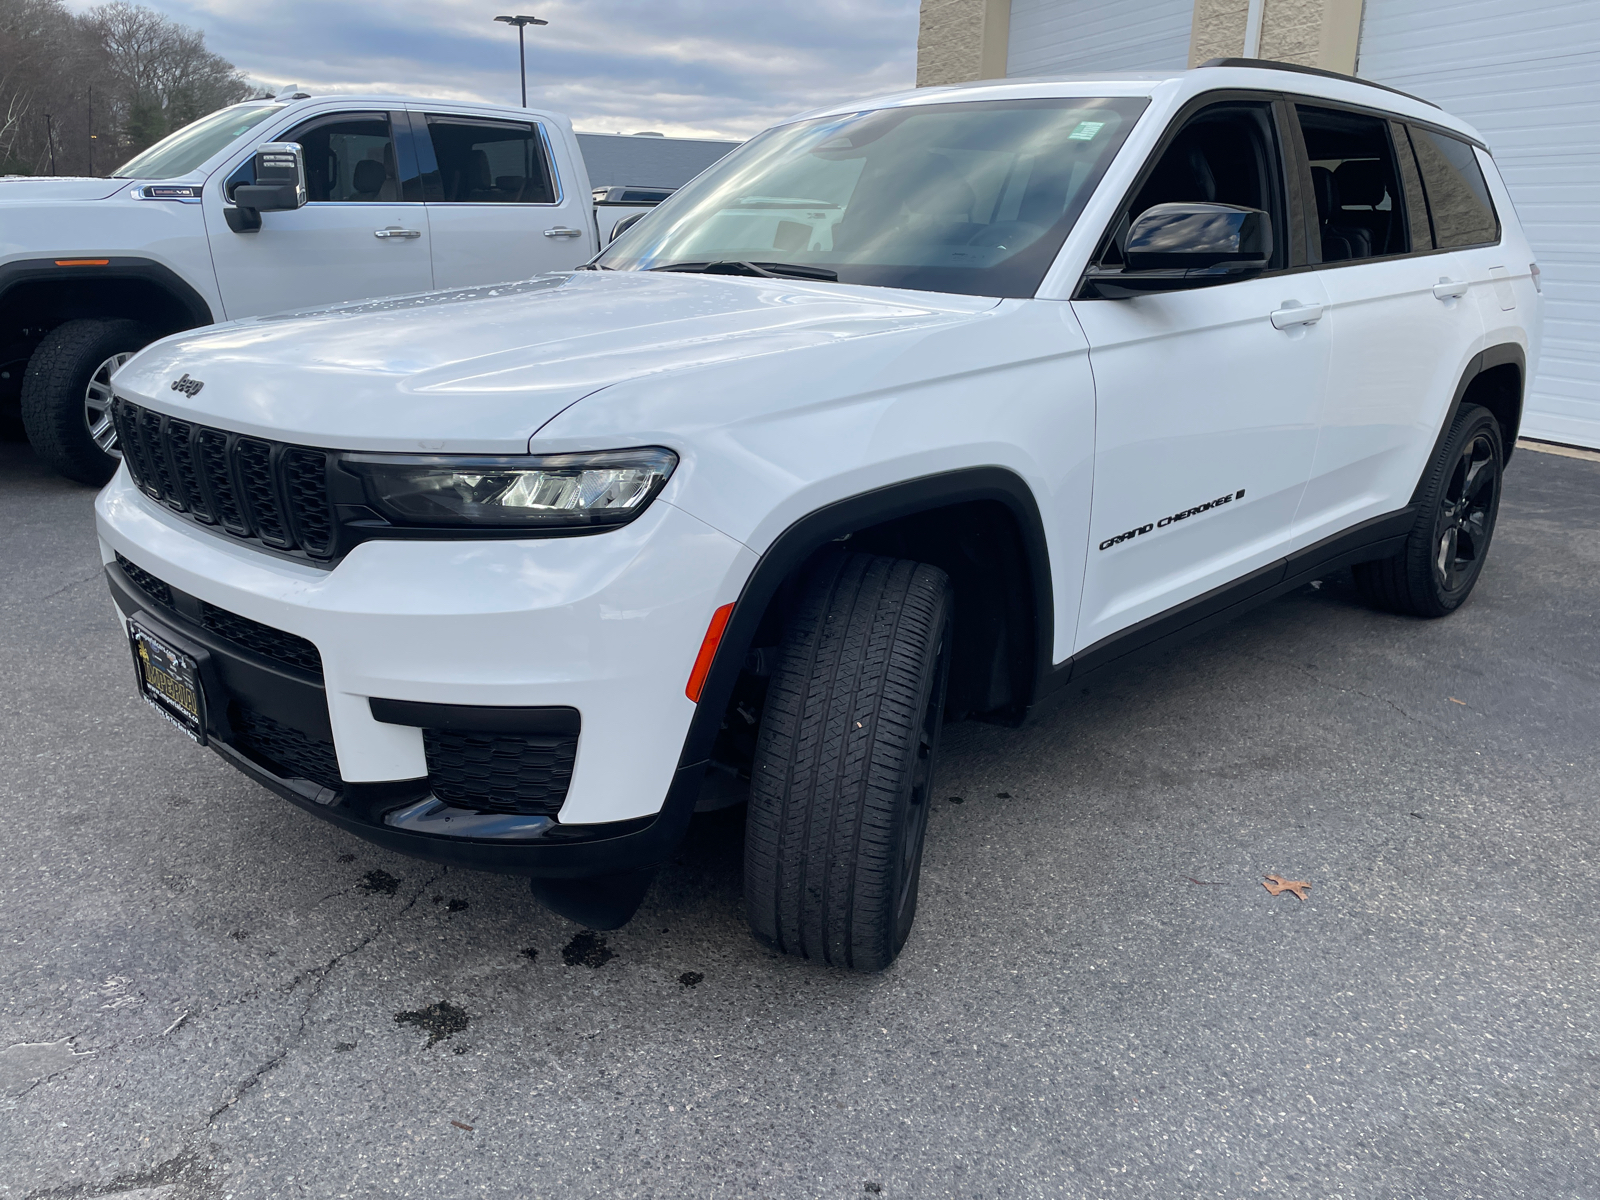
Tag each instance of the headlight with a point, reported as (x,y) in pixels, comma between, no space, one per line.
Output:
(532,490)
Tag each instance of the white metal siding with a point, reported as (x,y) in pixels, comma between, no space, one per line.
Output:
(1057,37)
(1528,76)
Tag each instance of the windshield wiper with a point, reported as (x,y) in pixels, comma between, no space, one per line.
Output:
(765,270)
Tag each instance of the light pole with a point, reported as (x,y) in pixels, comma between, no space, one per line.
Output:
(522,54)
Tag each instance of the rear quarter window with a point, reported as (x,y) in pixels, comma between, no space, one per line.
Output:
(1459,206)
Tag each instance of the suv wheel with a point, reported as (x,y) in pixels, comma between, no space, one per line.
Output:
(1443,555)
(66,395)
(844,762)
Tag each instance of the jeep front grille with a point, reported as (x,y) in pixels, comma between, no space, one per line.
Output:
(252,489)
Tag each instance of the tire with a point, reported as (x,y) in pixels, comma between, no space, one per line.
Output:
(844,762)
(1444,553)
(66,386)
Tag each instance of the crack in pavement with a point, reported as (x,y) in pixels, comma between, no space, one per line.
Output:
(1348,691)
(68,586)
(320,974)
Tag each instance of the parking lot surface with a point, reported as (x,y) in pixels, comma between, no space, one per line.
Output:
(208,994)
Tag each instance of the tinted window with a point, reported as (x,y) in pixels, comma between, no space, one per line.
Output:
(484,162)
(1458,197)
(972,197)
(349,158)
(1356,182)
(1226,154)
(1411,186)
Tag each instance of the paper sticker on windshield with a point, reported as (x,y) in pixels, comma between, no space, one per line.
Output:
(1086,131)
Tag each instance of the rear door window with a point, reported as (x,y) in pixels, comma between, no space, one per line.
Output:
(1458,198)
(1355,179)
(486,162)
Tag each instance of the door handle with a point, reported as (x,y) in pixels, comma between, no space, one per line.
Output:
(563,232)
(394,231)
(1292,314)
(1449,289)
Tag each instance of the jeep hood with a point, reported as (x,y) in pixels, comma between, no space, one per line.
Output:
(52,190)
(480,370)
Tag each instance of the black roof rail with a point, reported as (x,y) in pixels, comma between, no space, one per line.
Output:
(1267,64)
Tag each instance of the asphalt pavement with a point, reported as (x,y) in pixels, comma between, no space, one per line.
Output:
(209,994)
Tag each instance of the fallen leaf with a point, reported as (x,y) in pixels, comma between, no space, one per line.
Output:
(459,1125)
(1277,885)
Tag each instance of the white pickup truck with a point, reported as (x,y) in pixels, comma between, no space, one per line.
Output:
(396,195)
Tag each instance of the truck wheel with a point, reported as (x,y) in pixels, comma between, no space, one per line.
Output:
(66,395)
(844,762)
(1443,555)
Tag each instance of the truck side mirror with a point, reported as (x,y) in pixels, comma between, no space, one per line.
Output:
(280,186)
(1172,247)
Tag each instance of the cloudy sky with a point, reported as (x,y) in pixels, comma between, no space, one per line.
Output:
(707,68)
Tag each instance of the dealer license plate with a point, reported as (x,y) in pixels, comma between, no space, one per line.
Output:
(169,680)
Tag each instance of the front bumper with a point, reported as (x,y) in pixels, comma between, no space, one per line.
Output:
(608,625)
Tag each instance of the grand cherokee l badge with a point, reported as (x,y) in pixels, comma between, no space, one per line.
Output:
(189,387)
(1177,516)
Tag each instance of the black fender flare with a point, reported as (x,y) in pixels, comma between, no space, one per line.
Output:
(796,544)
(1506,353)
(63,268)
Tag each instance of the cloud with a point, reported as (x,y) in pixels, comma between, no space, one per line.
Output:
(697,68)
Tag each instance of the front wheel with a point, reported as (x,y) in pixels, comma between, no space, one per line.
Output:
(1444,553)
(66,395)
(844,763)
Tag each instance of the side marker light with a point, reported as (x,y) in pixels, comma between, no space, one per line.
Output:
(708,651)
(82,262)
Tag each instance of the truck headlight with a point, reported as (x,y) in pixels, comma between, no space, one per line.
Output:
(522,491)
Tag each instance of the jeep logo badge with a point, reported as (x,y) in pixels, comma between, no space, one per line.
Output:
(189,387)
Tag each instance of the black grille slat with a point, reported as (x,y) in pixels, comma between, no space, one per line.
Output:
(212,446)
(286,648)
(252,487)
(509,773)
(184,476)
(305,476)
(157,589)
(254,458)
(290,753)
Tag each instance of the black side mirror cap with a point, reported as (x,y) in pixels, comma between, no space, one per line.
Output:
(1187,245)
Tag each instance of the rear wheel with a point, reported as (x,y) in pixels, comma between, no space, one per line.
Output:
(1444,553)
(844,763)
(66,395)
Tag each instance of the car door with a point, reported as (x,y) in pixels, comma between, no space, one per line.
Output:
(362,232)
(498,208)
(1207,399)
(1404,323)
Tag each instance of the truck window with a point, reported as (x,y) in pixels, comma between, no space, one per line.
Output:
(179,153)
(1458,197)
(485,162)
(1356,182)
(350,159)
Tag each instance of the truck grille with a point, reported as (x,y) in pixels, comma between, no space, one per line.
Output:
(494,772)
(250,488)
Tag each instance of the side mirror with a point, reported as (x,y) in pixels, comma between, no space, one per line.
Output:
(280,186)
(1177,246)
(622,226)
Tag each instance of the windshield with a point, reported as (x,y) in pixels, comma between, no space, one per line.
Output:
(179,153)
(975,197)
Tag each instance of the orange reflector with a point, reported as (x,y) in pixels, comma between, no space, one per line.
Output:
(708,651)
(82,262)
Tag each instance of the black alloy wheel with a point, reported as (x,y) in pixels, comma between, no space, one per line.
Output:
(1458,503)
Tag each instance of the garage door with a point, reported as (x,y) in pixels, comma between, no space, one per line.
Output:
(1528,76)
(1058,37)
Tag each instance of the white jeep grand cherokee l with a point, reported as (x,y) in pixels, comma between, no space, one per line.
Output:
(907,411)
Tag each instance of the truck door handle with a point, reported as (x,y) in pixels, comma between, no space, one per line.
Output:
(394,231)
(1292,314)
(563,231)
(1449,289)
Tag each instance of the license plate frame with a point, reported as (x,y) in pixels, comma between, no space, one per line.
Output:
(168,679)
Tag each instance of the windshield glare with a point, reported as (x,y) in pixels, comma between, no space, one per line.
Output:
(974,197)
(179,153)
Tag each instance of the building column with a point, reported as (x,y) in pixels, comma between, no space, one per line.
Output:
(960,41)
(1310,33)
